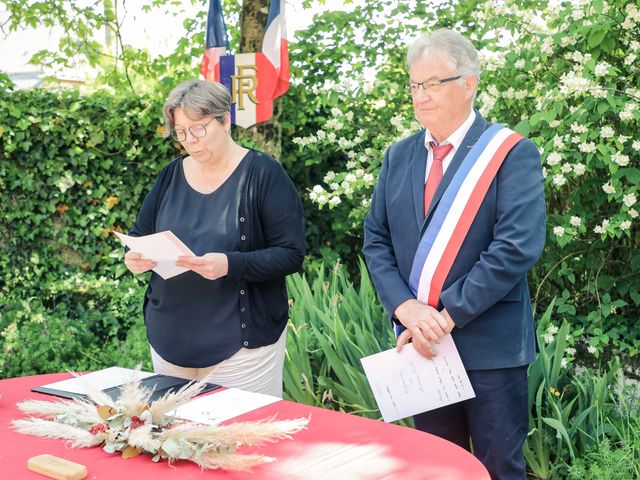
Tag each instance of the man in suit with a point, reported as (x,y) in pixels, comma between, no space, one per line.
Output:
(484,301)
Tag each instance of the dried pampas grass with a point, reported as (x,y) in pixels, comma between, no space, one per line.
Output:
(131,426)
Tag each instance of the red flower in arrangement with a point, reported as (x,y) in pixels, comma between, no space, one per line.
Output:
(98,427)
(136,421)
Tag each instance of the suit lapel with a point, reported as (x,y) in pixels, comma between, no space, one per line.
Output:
(478,126)
(418,169)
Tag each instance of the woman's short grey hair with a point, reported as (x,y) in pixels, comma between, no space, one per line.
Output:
(197,97)
(452,47)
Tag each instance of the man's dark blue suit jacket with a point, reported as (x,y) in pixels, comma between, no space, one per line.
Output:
(486,291)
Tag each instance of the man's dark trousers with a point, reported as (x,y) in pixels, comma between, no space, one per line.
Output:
(497,421)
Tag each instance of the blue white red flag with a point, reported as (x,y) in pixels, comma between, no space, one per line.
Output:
(254,79)
(276,48)
(216,42)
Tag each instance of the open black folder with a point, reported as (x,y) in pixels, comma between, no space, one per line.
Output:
(159,384)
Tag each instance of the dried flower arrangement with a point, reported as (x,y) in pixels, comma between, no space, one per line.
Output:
(133,425)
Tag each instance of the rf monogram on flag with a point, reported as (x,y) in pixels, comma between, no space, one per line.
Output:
(254,79)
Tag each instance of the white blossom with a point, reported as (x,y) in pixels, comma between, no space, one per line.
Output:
(601,69)
(548,338)
(633,213)
(626,225)
(519,64)
(344,143)
(349,115)
(625,116)
(607,132)
(334,186)
(335,111)
(577,128)
(334,124)
(329,176)
(331,136)
(620,159)
(554,158)
(564,363)
(591,349)
(608,188)
(368,178)
(571,83)
(623,138)
(579,169)
(571,351)
(558,142)
(350,178)
(335,200)
(558,231)
(566,168)
(636,145)
(575,221)
(552,329)
(318,189)
(587,147)
(559,180)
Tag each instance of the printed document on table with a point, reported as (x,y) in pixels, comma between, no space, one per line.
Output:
(406,383)
(223,405)
(99,380)
(164,248)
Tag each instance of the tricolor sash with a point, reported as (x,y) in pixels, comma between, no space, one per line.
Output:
(456,211)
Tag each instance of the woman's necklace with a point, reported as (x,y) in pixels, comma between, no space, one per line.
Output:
(211,186)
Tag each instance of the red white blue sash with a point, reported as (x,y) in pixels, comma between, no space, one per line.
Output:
(456,211)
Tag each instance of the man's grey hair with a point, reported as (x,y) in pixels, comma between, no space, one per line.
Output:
(450,46)
(197,97)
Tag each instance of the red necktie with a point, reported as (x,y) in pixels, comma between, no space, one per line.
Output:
(435,172)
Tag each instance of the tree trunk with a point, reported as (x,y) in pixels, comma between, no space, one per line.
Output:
(253,19)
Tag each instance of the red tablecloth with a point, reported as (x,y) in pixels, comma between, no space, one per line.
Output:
(335,446)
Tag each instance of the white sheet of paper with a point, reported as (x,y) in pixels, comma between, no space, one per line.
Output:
(107,378)
(406,383)
(220,406)
(164,248)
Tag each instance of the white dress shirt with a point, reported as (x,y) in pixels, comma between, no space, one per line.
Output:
(454,139)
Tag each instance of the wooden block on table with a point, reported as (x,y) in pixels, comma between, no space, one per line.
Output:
(56,467)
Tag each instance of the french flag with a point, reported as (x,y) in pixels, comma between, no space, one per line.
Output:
(216,43)
(276,48)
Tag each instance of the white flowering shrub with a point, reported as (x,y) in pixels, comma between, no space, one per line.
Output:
(566,76)
(569,79)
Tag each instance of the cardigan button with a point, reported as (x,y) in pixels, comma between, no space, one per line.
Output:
(241,219)
(241,292)
(246,344)
(244,325)
(242,309)
(243,237)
